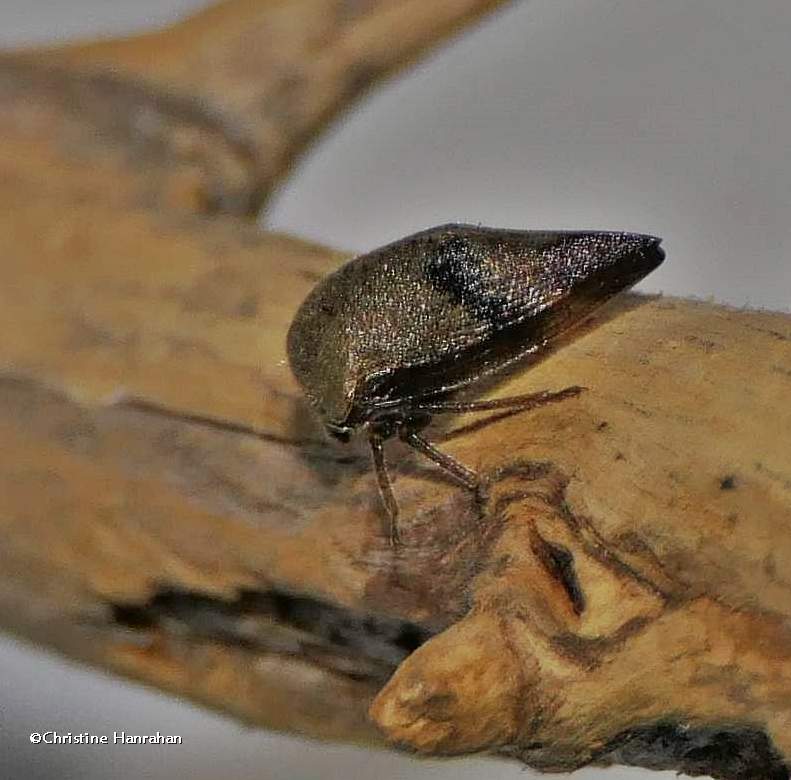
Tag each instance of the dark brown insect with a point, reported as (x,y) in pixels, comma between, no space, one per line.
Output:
(381,344)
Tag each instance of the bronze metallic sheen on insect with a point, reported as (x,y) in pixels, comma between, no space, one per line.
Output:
(382,344)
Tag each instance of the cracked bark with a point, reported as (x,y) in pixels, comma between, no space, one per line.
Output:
(172,511)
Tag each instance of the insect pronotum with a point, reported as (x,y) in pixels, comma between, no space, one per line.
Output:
(382,344)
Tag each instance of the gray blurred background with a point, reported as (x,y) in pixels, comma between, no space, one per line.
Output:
(660,116)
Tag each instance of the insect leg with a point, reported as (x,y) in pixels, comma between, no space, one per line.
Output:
(464,476)
(516,402)
(385,487)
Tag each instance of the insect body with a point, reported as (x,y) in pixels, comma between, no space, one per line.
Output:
(381,344)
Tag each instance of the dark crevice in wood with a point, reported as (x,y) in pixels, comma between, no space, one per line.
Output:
(358,645)
(728,752)
(559,563)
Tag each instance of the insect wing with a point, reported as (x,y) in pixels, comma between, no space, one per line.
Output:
(498,295)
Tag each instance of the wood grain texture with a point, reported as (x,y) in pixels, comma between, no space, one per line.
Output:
(172,511)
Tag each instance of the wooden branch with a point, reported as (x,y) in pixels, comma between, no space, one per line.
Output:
(231,95)
(172,511)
